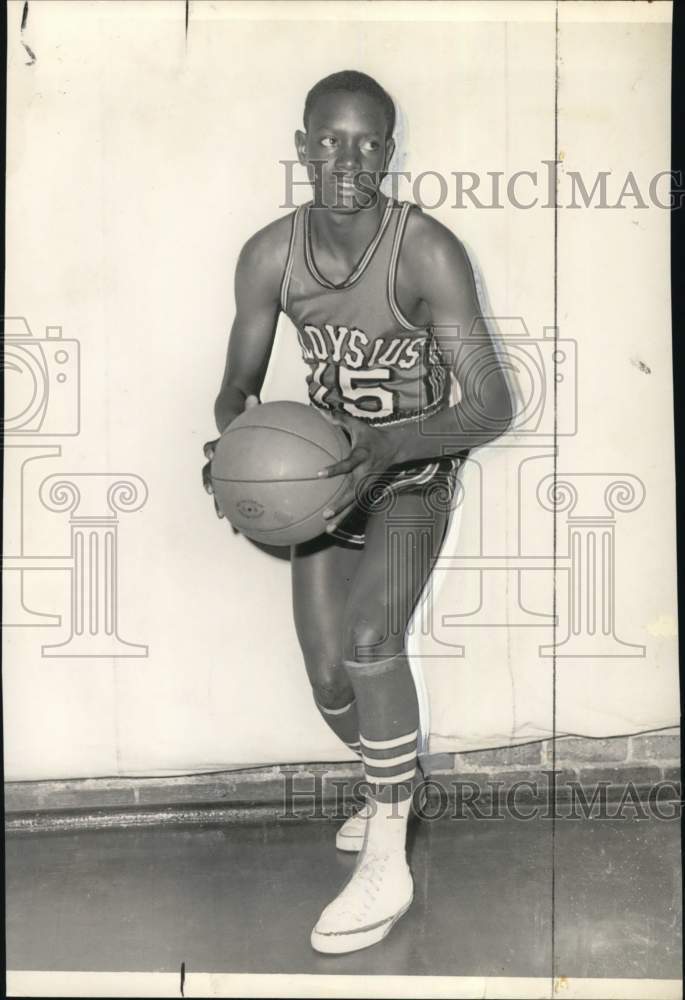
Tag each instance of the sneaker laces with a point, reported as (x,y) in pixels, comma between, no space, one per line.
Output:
(361,893)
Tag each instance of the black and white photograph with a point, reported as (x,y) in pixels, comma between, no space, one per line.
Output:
(340,643)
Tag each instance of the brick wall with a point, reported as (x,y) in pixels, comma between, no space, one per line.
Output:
(643,759)
(253,792)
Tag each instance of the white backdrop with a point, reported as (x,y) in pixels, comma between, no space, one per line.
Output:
(139,162)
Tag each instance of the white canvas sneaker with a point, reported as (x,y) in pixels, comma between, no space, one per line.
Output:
(379,892)
(350,836)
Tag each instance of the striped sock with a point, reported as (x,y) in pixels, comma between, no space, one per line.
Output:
(388,723)
(390,764)
(344,723)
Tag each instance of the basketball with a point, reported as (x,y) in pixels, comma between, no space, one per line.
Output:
(264,472)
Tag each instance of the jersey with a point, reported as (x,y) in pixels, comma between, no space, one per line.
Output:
(364,355)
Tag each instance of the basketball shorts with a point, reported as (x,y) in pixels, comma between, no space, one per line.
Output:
(434,480)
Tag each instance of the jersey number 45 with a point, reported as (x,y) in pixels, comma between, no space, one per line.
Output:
(352,387)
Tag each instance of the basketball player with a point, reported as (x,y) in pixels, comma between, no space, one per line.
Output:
(381,296)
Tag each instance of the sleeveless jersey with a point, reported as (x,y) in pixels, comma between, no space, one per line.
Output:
(364,356)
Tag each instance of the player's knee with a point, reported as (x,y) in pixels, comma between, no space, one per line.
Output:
(332,692)
(330,684)
(369,637)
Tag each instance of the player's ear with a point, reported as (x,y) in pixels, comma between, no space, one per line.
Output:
(301,146)
(389,152)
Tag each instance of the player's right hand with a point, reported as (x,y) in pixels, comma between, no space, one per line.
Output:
(209,448)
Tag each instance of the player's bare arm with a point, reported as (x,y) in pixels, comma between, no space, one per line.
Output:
(435,284)
(258,276)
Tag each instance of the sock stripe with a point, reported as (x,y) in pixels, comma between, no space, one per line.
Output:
(393,779)
(381,755)
(335,711)
(398,741)
(384,765)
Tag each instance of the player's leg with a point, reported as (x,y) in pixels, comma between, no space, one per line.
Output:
(322,571)
(401,548)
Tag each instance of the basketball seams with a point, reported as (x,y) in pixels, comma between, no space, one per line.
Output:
(283,430)
(293,441)
(270,482)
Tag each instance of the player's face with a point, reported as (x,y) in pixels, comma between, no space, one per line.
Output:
(345,149)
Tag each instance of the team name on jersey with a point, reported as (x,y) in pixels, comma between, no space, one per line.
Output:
(352,347)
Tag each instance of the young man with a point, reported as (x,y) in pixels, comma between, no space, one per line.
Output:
(382,297)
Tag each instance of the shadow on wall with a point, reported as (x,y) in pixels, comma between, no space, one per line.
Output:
(278,551)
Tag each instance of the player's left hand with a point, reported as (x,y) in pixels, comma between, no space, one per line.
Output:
(209,447)
(372,451)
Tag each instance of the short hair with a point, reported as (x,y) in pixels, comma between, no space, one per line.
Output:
(356,83)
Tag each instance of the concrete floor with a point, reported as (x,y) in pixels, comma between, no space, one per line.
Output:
(243,899)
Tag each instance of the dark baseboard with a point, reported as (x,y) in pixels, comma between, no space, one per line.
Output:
(323,792)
